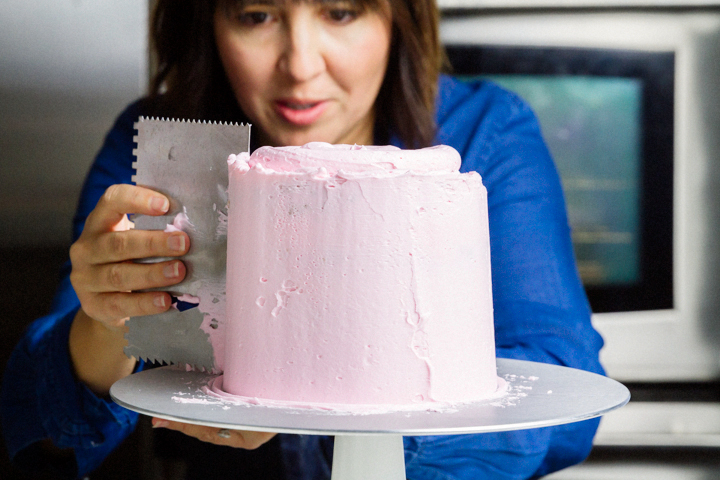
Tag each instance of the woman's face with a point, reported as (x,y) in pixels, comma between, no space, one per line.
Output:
(305,71)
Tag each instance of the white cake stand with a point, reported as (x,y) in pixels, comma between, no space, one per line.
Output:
(370,446)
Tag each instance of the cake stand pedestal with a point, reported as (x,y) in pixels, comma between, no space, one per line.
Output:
(369,446)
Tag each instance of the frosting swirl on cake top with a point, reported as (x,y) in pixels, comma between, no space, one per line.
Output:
(354,158)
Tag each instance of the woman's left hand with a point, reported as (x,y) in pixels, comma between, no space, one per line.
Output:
(218,436)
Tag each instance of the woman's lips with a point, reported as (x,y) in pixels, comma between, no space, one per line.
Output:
(300,112)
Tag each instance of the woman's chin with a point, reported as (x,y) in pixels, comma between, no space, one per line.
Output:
(282,134)
(297,138)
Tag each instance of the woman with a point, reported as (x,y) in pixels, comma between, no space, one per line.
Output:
(340,71)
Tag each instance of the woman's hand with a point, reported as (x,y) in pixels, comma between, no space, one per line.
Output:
(105,278)
(218,436)
(104,275)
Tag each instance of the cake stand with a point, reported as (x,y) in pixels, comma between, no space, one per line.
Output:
(369,446)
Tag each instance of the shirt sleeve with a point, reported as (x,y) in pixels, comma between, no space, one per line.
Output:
(540,308)
(41,399)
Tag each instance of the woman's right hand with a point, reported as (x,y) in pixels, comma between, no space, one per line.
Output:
(104,275)
(106,279)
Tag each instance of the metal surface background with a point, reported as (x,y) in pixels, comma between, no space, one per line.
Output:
(67,70)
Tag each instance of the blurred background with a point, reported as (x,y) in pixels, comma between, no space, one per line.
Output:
(628,94)
(67,69)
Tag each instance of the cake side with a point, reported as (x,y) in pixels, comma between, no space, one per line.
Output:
(367,285)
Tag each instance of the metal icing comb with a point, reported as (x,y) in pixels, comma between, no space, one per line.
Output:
(187,161)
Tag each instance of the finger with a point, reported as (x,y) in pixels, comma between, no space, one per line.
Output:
(119,200)
(234,438)
(134,244)
(131,276)
(114,308)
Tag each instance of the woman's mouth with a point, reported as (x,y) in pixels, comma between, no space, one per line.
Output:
(300,112)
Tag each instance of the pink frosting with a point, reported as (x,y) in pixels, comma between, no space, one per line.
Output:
(181,222)
(356,158)
(358,275)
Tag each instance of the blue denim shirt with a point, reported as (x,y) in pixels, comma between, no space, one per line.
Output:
(541,312)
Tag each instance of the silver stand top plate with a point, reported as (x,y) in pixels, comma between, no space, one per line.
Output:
(539,395)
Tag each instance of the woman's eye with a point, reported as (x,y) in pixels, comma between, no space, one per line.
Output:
(254,18)
(342,15)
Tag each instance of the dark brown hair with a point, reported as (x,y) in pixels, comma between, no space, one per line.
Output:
(190,82)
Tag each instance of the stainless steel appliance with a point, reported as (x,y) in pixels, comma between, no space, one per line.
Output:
(674,345)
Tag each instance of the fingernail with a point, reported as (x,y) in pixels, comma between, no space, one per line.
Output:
(159,301)
(176,243)
(172,270)
(159,204)
(157,423)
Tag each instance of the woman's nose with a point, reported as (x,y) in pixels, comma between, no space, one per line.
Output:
(303,57)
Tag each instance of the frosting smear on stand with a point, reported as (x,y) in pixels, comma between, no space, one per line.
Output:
(357,276)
